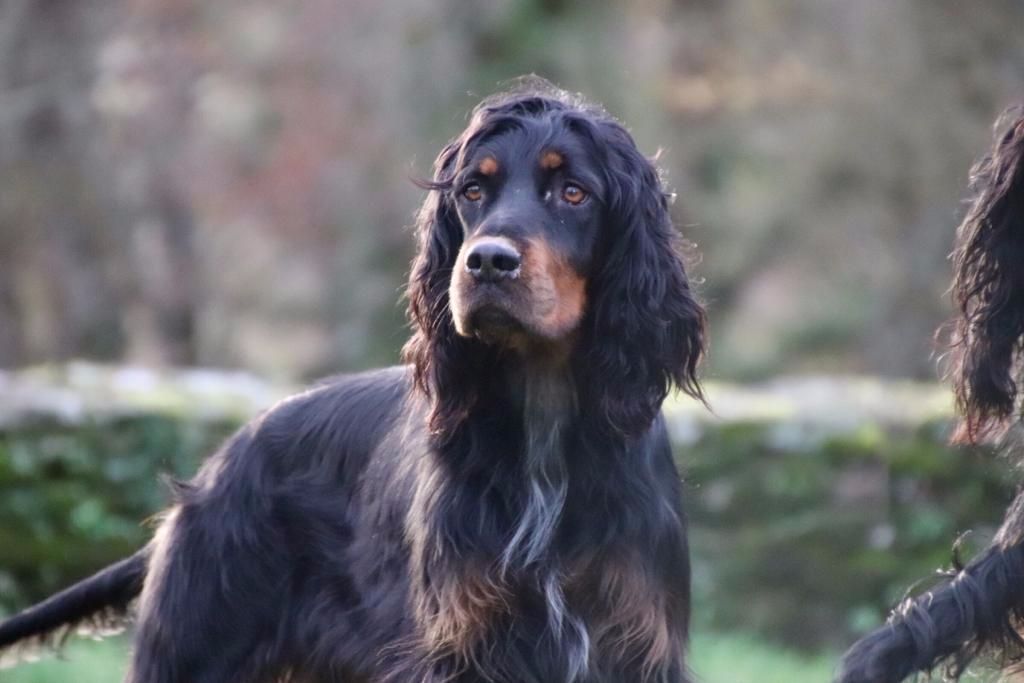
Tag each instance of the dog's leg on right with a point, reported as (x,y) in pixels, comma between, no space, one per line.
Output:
(978,609)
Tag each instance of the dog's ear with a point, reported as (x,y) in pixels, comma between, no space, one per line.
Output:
(988,291)
(647,330)
(442,362)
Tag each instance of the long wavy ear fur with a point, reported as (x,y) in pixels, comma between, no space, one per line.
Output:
(646,328)
(444,364)
(988,290)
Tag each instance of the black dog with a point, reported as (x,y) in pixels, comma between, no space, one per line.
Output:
(981,608)
(505,507)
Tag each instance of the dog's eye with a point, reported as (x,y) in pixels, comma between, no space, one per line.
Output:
(574,194)
(472,192)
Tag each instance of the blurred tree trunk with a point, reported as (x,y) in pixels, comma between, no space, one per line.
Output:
(161,323)
(69,229)
(56,296)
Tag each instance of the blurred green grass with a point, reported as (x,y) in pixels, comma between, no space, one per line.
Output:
(81,661)
(716,658)
(739,658)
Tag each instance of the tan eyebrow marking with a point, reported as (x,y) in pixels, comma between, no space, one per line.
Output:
(488,166)
(551,160)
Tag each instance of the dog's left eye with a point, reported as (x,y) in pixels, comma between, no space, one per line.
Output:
(574,194)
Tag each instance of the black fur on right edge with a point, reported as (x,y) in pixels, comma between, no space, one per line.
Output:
(988,290)
(981,608)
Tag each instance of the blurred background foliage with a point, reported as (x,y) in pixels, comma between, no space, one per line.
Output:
(227,184)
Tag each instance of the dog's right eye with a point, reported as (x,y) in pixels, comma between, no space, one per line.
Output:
(472,192)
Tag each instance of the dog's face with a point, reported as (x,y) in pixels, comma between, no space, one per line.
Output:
(529,200)
(546,229)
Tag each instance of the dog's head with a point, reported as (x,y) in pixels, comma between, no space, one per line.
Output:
(546,232)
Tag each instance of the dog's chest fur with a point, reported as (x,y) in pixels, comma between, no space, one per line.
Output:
(494,568)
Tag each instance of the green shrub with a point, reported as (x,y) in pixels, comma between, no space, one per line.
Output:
(74,498)
(808,535)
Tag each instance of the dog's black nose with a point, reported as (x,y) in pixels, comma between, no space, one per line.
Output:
(490,260)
